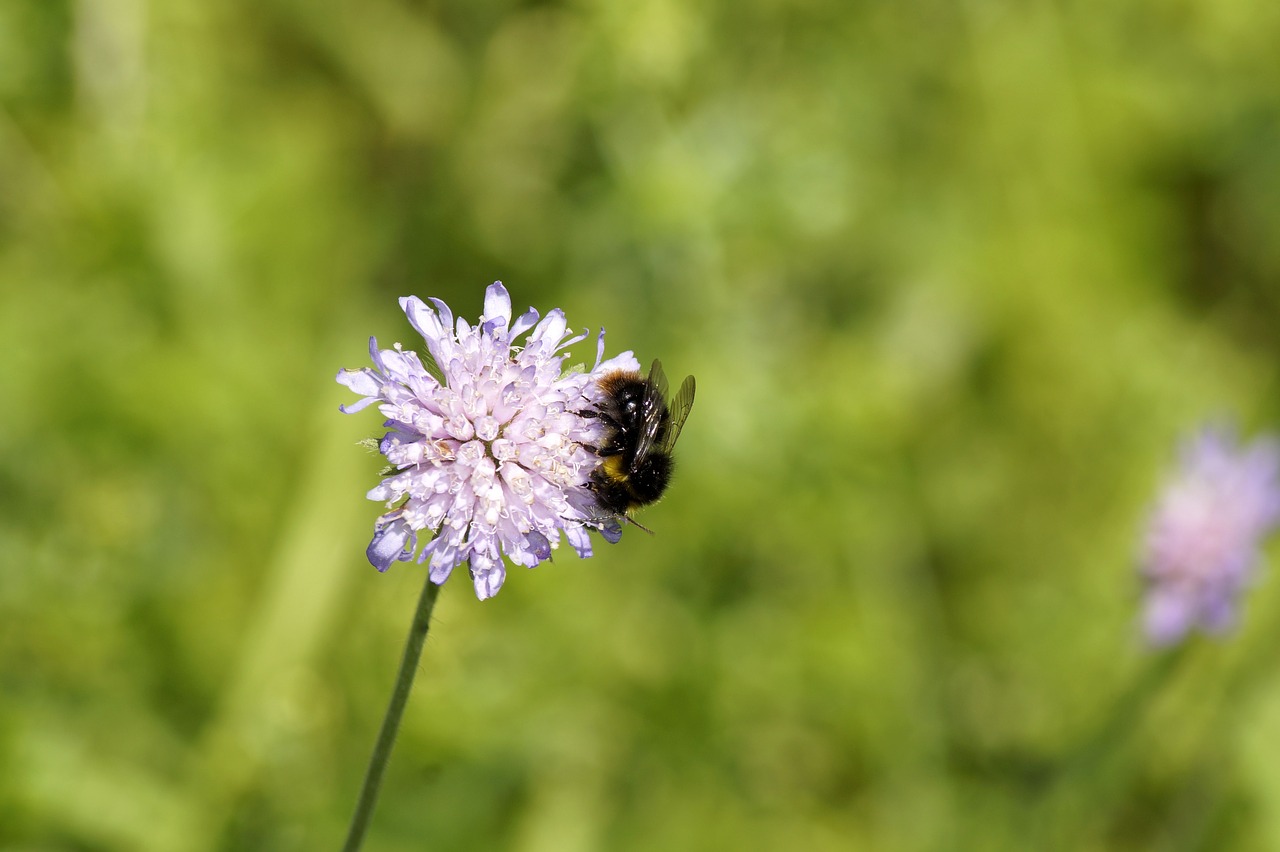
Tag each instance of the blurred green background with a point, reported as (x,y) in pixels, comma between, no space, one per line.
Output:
(953,279)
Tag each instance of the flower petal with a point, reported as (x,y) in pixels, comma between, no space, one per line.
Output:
(423,319)
(623,361)
(539,545)
(551,329)
(488,575)
(599,349)
(524,322)
(1167,618)
(581,542)
(392,542)
(497,303)
(361,381)
(612,531)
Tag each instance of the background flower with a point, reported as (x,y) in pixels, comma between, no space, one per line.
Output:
(494,460)
(1202,542)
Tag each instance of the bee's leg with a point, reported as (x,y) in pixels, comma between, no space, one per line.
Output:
(614,426)
(592,414)
(602,452)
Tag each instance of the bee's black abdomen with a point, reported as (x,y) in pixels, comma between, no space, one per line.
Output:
(651,477)
(612,495)
(640,486)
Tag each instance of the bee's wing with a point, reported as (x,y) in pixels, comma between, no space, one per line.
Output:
(679,408)
(658,380)
(652,408)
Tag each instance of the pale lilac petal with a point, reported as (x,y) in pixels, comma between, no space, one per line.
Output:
(359,404)
(497,303)
(567,342)
(400,366)
(375,355)
(551,329)
(392,541)
(539,545)
(488,575)
(599,350)
(446,315)
(422,318)
(580,541)
(440,573)
(624,361)
(1167,617)
(612,531)
(523,323)
(384,491)
(1218,613)
(360,381)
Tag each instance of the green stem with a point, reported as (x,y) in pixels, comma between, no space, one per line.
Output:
(391,722)
(1101,767)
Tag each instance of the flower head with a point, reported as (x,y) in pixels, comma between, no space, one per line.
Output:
(1204,536)
(492,453)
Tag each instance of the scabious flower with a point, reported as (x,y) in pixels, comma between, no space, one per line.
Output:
(1204,536)
(492,454)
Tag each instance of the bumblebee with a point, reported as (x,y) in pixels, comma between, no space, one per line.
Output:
(643,425)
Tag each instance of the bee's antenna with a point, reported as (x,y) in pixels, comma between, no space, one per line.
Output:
(636,523)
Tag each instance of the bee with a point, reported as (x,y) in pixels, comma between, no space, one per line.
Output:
(643,425)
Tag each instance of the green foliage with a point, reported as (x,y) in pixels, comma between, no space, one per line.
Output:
(952,279)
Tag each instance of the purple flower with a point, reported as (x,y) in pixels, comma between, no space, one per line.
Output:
(1205,533)
(492,454)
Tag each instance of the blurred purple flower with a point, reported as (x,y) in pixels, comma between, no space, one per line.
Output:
(1205,533)
(493,456)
